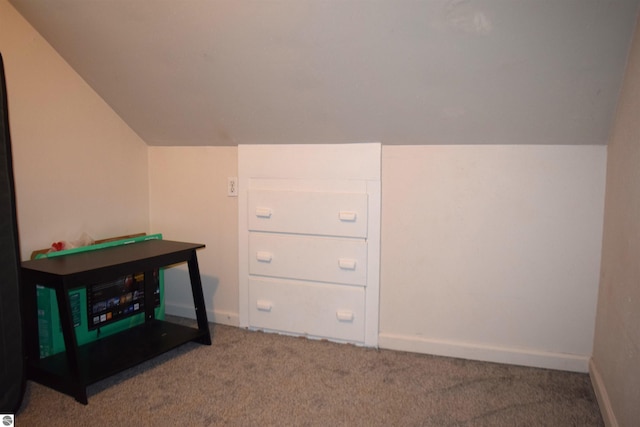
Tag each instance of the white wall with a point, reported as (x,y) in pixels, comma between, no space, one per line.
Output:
(488,252)
(615,368)
(492,252)
(78,167)
(188,201)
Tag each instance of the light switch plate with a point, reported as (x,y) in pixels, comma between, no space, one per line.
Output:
(232,186)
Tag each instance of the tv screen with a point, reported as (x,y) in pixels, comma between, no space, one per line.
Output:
(109,302)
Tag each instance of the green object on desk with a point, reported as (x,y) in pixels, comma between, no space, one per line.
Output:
(49,327)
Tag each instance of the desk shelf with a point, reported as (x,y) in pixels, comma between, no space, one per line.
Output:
(108,356)
(73,370)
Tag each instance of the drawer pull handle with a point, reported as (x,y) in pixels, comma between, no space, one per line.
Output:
(347,264)
(263,212)
(349,216)
(263,305)
(264,256)
(344,315)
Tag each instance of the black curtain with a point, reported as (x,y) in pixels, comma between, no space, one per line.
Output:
(12,364)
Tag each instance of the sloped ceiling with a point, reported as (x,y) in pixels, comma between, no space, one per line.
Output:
(223,72)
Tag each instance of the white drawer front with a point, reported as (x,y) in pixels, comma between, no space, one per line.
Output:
(308,212)
(324,259)
(319,310)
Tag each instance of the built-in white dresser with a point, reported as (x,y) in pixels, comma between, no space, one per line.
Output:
(309,230)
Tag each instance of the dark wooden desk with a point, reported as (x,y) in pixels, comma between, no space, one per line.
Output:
(73,370)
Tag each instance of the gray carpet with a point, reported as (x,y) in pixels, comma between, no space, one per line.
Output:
(255,379)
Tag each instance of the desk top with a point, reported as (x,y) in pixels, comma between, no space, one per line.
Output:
(146,254)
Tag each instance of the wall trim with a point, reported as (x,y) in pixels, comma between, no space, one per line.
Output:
(484,353)
(600,390)
(213,316)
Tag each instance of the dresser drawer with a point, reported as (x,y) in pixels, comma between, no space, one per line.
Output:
(308,212)
(322,259)
(314,309)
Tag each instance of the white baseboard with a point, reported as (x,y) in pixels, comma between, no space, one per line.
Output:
(213,316)
(606,410)
(512,356)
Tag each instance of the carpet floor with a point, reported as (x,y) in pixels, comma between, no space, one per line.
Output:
(249,378)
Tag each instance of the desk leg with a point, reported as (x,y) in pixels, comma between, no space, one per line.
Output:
(71,344)
(198,298)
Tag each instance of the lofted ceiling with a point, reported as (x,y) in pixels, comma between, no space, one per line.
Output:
(224,72)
